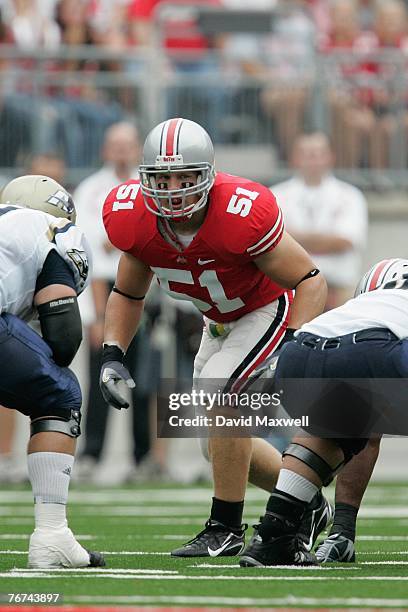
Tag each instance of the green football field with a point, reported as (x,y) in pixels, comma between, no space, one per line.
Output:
(137,527)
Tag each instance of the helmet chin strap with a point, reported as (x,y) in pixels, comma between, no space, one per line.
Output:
(197,206)
(180,219)
(167,212)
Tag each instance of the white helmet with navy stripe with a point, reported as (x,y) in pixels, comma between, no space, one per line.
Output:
(40,193)
(173,146)
(381,273)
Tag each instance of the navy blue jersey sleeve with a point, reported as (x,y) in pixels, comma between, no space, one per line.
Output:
(55,272)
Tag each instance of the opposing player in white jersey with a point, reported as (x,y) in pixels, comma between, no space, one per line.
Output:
(44,265)
(336,371)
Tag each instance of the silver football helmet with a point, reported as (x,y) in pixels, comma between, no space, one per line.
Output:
(173,146)
(381,273)
(40,193)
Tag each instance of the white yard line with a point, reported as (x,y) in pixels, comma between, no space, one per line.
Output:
(105,552)
(387,553)
(290,600)
(384,563)
(165,521)
(180,495)
(13,552)
(143,553)
(245,577)
(25,536)
(383,512)
(18,521)
(139,511)
(166,536)
(374,538)
(92,570)
(316,568)
(147,496)
(194,513)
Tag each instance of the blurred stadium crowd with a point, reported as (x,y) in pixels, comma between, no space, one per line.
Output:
(76,76)
(252,73)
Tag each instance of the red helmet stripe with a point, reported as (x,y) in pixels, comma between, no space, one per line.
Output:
(173,129)
(380,268)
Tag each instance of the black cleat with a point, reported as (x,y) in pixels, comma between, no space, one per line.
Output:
(275,542)
(96,559)
(317,517)
(336,549)
(216,540)
(282,550)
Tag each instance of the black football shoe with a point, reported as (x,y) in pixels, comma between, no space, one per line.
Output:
(216,540)
(282,550)
(317,517)
(280,546)
(336,549)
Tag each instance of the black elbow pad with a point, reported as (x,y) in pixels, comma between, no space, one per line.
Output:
(61,328)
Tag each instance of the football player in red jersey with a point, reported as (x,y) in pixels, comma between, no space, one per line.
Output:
(218,241)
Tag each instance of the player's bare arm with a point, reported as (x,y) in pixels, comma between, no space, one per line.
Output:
(123,314)
(287,265)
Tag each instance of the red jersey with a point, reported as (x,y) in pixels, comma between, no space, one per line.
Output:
(216,271)
(181,31)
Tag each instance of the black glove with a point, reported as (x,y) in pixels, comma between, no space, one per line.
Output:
(114,375)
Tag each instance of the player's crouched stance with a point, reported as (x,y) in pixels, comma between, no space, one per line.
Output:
(218,241)
(46,259)
(326,366)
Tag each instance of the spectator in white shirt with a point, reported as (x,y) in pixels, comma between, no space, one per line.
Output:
(31,26)
(328,217)
(121,154)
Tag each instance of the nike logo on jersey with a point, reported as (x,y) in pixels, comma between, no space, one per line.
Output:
(202,262)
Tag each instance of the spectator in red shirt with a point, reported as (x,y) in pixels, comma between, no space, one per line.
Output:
(189,53)
(353,83)
(181,33)
(391,25)
(364,86)
(281,64)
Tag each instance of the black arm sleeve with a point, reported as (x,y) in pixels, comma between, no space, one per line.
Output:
(55,272)
(61,328)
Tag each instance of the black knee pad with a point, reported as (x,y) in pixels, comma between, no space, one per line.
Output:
(70,426)
(316,463)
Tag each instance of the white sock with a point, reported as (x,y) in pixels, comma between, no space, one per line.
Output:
(50,516)
(295,485)
(49,475)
